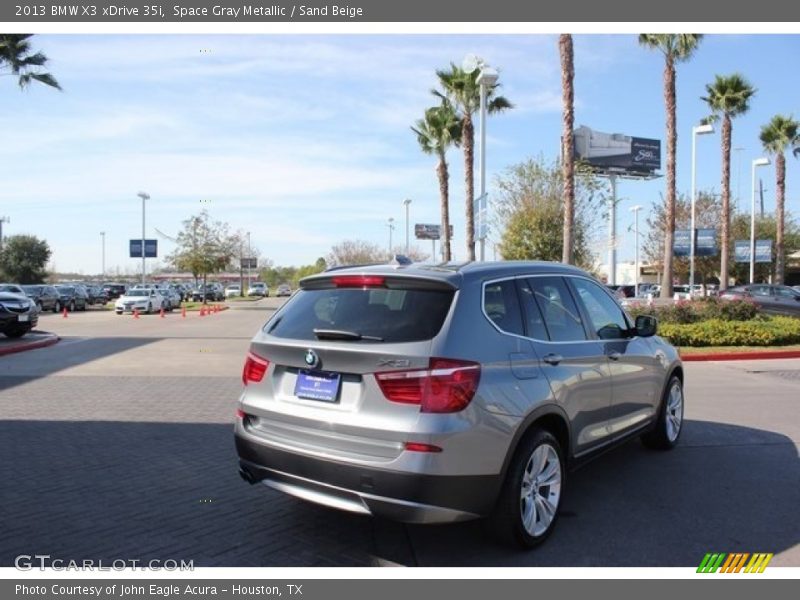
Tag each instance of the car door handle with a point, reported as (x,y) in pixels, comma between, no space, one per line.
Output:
(614,355)
(553,359)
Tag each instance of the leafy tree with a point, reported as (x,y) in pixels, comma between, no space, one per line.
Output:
(462,91)
(16,57)
(777,137)
(439,130)
(23,259)
(676,47)
(567,127)
(205,246)
(530,212)
(708,211)
(355,252)
(728,97)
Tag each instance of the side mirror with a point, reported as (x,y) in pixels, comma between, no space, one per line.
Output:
(646,326)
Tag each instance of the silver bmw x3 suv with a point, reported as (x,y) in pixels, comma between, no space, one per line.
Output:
(433,394)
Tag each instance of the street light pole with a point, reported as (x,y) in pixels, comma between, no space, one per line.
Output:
(103,254)
(698,130)
(758,162)
(612,231)
(144,197)
(407,202)
(486,78)
(3,220)
(391,229)
(635,210)
(249,261)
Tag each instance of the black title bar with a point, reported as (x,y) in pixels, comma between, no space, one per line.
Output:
(439,11)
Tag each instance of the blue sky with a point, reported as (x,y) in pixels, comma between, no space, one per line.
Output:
(304,140)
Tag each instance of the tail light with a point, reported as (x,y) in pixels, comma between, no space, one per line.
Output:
(446,386)
(254,369)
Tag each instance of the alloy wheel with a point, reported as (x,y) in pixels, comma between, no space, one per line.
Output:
(541,490)
(674,408)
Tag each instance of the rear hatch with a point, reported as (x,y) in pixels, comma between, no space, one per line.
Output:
(325,365)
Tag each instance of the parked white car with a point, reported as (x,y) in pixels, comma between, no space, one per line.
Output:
(233,290)
(143,300)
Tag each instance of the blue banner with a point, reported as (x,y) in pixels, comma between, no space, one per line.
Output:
(705,243)
(741,251)
(681,243)
(150,248)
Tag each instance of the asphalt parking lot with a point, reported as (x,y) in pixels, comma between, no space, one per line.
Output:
(116,443)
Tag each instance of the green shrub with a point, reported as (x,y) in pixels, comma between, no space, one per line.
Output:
(702,309)
(767,331)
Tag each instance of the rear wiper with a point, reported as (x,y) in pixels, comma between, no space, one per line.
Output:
(340,334)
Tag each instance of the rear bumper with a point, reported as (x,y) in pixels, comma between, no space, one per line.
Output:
(402,496)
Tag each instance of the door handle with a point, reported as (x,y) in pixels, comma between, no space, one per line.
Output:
(614,355)
(553,359)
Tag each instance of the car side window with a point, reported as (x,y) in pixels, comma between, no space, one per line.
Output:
(760,290)
(561,316)
(605,315)
(786,293)
(532,315)
(501,304)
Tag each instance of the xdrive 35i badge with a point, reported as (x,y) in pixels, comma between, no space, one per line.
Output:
(311,358)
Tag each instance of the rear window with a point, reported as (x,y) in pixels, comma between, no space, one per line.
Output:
(393,315)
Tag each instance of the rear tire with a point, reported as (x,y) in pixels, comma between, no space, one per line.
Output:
(668,427)
(16,332)
(527,509)
(72,306)
(149,308)
(57,307)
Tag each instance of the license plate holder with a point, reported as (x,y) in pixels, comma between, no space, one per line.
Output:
(23,318)
(318,385)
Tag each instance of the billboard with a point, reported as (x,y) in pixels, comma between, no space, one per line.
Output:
(429,231)
(741,251)
(616,151)
(150,248)
(249,263)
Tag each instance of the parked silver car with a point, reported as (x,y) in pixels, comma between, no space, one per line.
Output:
(437,394)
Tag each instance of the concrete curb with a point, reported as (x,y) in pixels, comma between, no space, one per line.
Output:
(24,345)
(767,354)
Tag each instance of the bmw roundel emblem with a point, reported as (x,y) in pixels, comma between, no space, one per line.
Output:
(311,358)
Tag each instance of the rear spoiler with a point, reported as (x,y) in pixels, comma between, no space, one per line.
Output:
(371,280)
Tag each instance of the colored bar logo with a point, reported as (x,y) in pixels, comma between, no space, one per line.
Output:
(735,562)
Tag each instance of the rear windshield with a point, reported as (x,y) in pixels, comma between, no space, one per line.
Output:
(393,315)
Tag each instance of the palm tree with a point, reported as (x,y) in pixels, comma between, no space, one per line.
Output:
(568,161)
(461,89)
(777,137)
(16,57)
(675,48)
(728,97)
(436,132)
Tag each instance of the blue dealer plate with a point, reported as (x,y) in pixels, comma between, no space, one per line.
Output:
(317,385)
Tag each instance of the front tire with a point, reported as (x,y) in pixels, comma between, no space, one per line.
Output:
(667,430)
(72,306)
(149,308)
(57,307)
(527,510)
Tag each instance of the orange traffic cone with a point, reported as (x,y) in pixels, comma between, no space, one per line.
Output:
(183,311)
(135,313)
(216,308)
(203,310)
(161,313)
(64,314)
